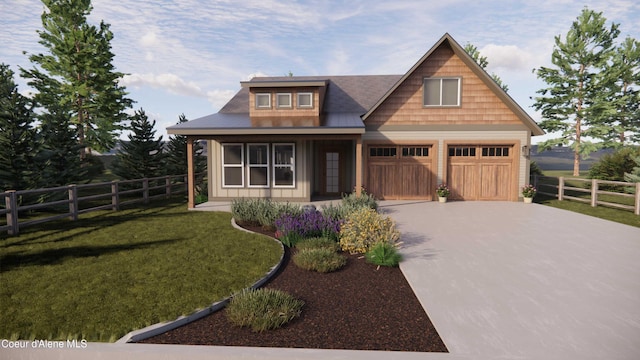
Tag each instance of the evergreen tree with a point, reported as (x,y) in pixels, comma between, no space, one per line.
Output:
(621,104)
(78,74)
(60,164)
(177,154)
(473,51)
(18,144)
(573,100)
(634,176)
(142,156)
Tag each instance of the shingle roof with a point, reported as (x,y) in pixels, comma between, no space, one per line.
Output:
(345,94)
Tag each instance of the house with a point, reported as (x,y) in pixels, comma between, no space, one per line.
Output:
(399,136)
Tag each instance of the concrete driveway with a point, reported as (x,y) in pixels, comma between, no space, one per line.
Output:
(519,281)
(499,281)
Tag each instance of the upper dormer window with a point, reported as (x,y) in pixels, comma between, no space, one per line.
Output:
(442,92)
(263,101)
(305,100)
(283,100)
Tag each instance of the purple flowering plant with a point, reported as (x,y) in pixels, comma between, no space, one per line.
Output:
(293,228)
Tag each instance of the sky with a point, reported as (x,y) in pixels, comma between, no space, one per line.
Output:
(189,56)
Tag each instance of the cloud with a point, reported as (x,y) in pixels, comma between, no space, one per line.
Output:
(507,57)
(169,82)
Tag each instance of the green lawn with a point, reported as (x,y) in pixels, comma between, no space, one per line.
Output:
(617,215)
(113,272)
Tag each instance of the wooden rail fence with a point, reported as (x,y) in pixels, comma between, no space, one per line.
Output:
(563,189)
(119,193)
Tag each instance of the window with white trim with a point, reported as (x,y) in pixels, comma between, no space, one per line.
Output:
(441,92)
(263,101)
(258,164)
(284,165)
(232,165)
(305,100)
(283,100)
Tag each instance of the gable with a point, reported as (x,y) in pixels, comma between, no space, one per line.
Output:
(482,102)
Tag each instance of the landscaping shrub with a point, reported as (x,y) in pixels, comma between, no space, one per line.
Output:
(365,227)
(318,243)
(293,228)
(263,309)
(261,212)
(383,254)
(613,166)
(349,204)
(322,260)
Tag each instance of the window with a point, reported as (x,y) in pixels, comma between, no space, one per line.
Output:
(263,101)
(232,165)
(467,151)
(305,100)
(497,151)
(418,151)
(258,163)
(283,100)
(283,165)
(442,92)
(383,151)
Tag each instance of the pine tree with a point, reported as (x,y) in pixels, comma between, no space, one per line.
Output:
(18,144)
(60,164)
(573,100)
(142,156)
(473,51)
(620,107)
(77,73)
(177,154)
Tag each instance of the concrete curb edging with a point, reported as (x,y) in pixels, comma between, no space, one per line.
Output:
(159,328)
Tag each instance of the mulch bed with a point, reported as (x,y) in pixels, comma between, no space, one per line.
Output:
(358,307)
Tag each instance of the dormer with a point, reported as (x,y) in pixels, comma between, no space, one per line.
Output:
(285,103)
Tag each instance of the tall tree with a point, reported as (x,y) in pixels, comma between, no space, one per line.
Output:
(473,51)
(78,73)
(142,156)
(177,154)
(571,102)
(620,123)
(58,158)
(18,144)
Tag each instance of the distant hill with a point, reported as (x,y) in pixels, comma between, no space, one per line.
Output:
(561,158)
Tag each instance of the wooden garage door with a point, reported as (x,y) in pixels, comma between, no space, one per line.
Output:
(481,172)
(400,171)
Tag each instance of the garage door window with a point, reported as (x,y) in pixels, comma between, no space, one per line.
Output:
(495,151)
(383,151)
(469,151)
(418,151)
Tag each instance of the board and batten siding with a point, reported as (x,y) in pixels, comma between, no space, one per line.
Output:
(301,191)
(445,138)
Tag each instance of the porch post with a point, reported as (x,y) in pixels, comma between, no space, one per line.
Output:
(191,177)
(359,165)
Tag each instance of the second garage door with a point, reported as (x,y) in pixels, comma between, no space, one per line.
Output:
(400,171)
(481,172)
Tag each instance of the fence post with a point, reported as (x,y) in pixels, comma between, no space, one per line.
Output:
(560,188)
(115,196)
(594,192)
(73,202)
(11,204)
(167,184)
(145,190)
(637,210)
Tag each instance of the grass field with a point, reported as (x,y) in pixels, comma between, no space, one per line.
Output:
(113,272)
